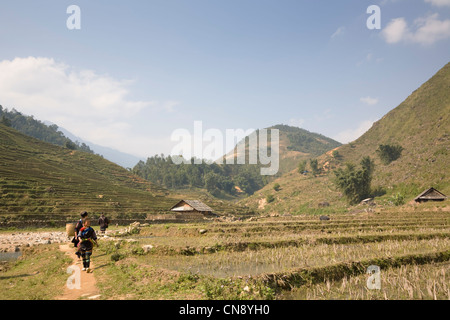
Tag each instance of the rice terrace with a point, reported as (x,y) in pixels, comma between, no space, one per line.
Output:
(106,192)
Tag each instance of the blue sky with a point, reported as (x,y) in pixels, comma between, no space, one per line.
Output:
(138,70)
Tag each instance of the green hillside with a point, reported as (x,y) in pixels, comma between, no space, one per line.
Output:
(37,129)
(295,144)
(41,178)
(420,125)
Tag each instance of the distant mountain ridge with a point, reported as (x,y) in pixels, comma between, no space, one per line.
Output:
(52,133)
(121,158)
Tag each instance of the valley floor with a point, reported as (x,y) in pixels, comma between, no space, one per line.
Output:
(265,258)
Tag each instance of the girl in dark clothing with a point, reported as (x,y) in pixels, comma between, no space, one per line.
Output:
(87,239)
(78,227)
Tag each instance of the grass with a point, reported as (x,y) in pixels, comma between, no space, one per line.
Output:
(40,274)
(294,257)
(409,282)
(41,178)
(214,265)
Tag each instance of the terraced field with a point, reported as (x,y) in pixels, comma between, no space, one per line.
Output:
(288,254)
(38,178)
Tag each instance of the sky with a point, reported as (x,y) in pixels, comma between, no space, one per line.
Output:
(136,71)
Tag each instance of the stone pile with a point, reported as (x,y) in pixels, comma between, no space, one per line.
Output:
(12,242)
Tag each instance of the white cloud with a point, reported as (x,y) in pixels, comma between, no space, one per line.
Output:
(94,107)
(426,30)
(439,3)
(369,101)
(431,29)
(350,135)
(338,32)
(395,31)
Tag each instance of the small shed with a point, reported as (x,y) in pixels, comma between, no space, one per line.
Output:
(430,195)
(191,209)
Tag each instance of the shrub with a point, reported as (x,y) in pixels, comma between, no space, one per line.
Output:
(117,256)
(398,199)
(389,153)
(270,198)
(302,166)
(355,183)
(314,164)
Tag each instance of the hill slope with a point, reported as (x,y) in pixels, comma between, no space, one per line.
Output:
(41,178)
(421,125)
(296,144)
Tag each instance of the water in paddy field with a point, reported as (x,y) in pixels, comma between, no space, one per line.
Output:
(9,256)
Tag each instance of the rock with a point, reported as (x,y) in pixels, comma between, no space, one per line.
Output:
(324,218)
(202,231)
(147,248)
(324,204)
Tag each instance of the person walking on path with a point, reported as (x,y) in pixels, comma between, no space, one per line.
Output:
(103,222)
(78,227)
(88,239)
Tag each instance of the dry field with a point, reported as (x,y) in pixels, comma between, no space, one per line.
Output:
(301,257)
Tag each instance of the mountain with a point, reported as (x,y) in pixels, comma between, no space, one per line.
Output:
(50,132)
(295,144)
(121,158)
(41,178)
(38,129)
(420,126)
(233,180)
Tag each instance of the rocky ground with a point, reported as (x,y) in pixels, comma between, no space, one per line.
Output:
(13,242)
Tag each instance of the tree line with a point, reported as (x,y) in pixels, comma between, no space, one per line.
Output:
(37,129)
(215,178)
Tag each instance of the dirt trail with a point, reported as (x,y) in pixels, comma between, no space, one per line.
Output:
(88,289)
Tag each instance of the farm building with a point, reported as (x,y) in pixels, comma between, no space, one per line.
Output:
(191,209)
(430,195)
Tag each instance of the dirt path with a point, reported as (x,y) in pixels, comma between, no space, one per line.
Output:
(88,289)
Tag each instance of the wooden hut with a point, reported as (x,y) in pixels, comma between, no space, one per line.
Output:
(430,195)
(191,209)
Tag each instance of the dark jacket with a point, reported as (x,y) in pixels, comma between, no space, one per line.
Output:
(78,226)
(87,237)
(103,222)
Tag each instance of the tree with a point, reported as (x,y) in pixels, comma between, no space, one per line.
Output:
(71,145)
(389,153)
(355,183)
(5,121)
(270,198)
(302,166)
(314,164)
(336,154)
